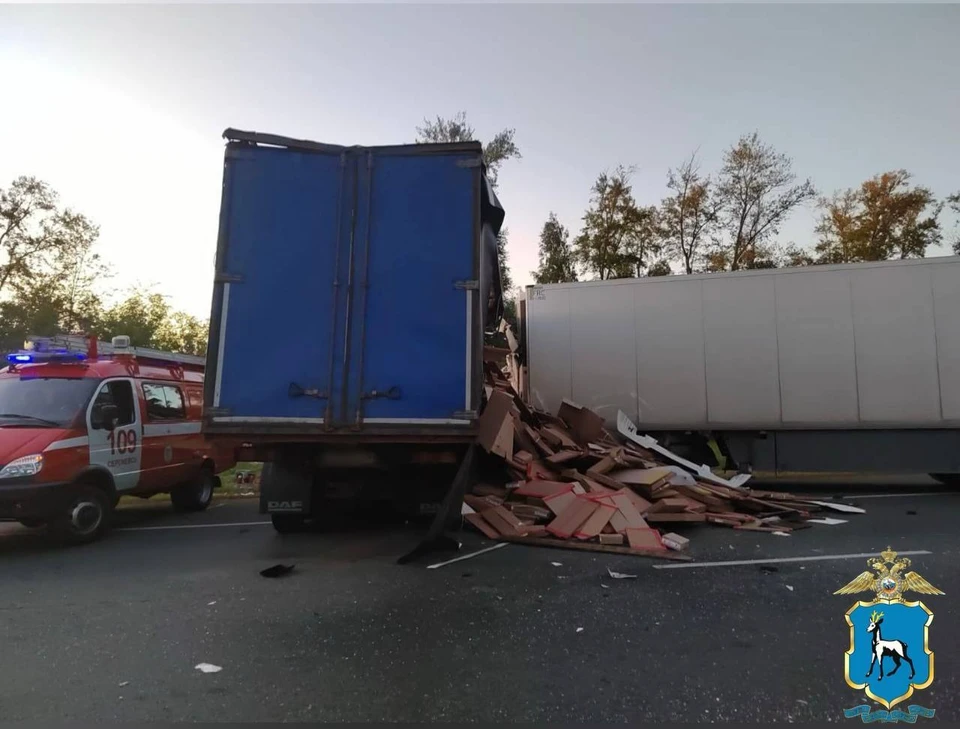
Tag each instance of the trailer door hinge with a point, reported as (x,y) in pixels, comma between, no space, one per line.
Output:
(224,277)
(468,284)
(472,162)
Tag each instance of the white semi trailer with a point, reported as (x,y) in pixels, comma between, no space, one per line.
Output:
(822,368)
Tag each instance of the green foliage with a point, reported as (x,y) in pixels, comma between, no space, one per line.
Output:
(47,266)
(147,318)
(884,218)
(498,150)
(506,280)
(954,202)
(756,191)
(618,236)
(50,273)
(556,256)
(660,268)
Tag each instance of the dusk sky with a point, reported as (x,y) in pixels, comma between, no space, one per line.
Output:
(120,108)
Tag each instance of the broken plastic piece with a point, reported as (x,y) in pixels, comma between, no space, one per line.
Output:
(620,575)
(208,668)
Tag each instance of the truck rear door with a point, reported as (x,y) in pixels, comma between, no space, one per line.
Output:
(346,290)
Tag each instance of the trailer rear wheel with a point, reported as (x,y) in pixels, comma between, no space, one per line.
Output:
(288,523)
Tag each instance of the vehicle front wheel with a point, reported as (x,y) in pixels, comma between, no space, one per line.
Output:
(288,523)
(85,518)
(196,495)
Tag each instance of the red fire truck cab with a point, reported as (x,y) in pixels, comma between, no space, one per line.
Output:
(84,423)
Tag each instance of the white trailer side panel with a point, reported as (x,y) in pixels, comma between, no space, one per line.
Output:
(740,328)
(851,346)
(604,353)
(818,366)
(550,339)
(896,345)
(946,303)
(671,370)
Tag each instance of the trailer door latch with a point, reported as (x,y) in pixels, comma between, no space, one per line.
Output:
(296,390)
(392,393)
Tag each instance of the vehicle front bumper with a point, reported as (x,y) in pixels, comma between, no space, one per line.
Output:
(19,498)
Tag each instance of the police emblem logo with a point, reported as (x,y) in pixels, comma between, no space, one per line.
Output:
(889,656)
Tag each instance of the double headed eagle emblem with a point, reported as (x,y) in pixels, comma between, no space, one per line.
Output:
(888,583)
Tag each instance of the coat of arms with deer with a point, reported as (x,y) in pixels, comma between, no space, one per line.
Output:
(888,631)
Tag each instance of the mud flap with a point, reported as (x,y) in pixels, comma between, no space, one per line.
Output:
(284,491)
(448,515)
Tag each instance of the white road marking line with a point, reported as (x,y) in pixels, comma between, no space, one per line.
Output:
(777,560)
(467,556)
(192,526)
(901,496)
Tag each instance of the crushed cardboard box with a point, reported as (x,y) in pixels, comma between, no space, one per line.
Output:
(569,483)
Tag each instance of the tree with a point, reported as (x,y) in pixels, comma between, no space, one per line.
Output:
(688,216)
(884,218)
(556,256)
(506,280)
(148,319)
(457,129)
(47,266)
(954,202)
(618,236)
(36,236)
(660,268)
(182,332)
(141,315)
(755,193)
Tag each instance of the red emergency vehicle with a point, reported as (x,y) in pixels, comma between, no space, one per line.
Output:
(83,423)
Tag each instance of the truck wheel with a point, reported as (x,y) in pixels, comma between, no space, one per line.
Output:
(288,523)
(947,479)
(85,517)
(197,495)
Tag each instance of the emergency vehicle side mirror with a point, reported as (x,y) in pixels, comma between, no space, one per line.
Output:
(106,417)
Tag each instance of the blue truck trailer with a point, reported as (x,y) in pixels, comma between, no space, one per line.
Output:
(353,286)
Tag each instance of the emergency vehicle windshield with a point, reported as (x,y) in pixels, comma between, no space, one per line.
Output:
(38,402)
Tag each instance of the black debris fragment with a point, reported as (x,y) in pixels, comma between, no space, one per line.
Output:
(278,570)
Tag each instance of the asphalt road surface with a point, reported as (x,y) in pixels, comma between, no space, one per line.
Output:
(114,630)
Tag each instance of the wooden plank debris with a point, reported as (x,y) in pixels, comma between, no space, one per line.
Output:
(569,483)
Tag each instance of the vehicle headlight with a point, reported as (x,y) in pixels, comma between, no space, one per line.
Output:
(25,466)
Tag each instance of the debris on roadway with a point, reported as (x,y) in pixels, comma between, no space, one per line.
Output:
(277,570)
(566,481)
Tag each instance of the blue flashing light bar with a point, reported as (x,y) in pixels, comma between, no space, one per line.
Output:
(62,355)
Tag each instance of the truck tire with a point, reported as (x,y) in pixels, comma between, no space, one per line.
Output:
(85,517)
(288,523)
(197,495)
(947,479)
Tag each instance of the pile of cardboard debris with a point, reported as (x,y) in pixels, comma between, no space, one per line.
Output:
(568,482)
